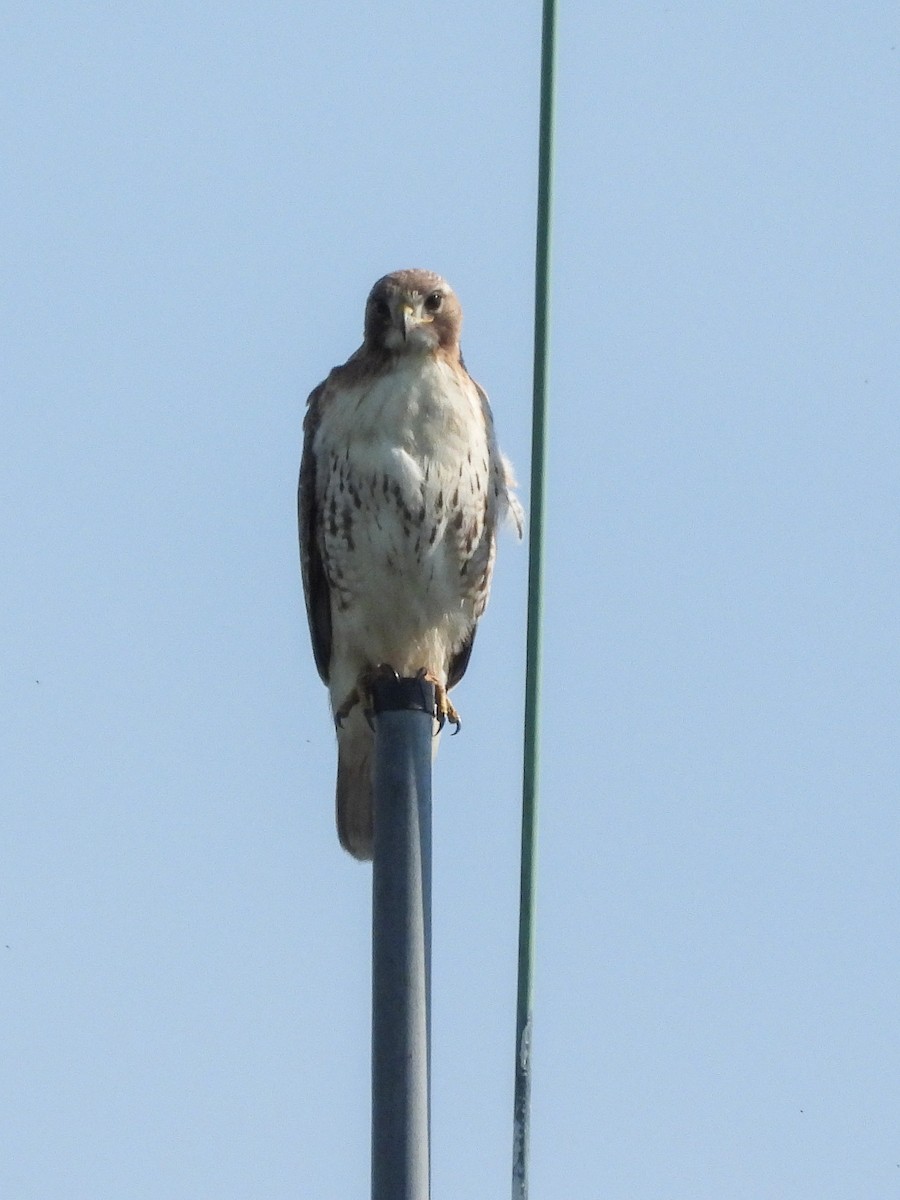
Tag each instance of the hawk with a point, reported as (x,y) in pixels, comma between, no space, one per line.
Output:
(402,490)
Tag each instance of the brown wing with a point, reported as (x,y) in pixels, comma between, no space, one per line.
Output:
(496,493)
(315,582)
(460,659)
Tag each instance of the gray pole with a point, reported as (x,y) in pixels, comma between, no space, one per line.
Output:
(401,940)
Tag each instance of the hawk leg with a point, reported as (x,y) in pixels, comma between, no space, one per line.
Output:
(443,706)
(362,694)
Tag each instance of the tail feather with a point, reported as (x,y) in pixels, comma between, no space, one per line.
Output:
(354,789)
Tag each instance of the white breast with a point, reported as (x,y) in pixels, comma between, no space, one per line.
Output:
(424,408)
(405,486)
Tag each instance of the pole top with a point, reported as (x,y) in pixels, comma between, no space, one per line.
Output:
(390,693)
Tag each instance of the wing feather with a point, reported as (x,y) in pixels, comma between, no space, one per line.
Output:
(500,502)
(315,582)
(460,660)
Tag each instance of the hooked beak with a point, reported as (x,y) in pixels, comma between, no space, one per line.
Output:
(408,320)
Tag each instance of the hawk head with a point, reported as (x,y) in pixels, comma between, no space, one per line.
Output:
(412,312)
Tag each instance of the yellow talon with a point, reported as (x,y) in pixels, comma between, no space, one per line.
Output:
(443,706)
(362,694)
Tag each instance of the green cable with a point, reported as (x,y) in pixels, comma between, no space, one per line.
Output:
(522,1098)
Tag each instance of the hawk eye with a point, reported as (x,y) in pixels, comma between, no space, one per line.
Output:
(433,302)
(382,309)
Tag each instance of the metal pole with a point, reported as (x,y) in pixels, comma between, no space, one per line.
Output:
(522,1096)
(401,940)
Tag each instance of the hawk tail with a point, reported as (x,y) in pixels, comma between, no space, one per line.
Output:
(354,788)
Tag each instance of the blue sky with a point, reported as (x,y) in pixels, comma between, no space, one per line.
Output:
(196,199)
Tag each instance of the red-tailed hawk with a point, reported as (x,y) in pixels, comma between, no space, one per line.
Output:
(402,489)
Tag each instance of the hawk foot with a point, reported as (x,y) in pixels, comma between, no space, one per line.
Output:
(362,694)
(443,706)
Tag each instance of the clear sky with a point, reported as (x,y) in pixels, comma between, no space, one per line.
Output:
(195,200)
